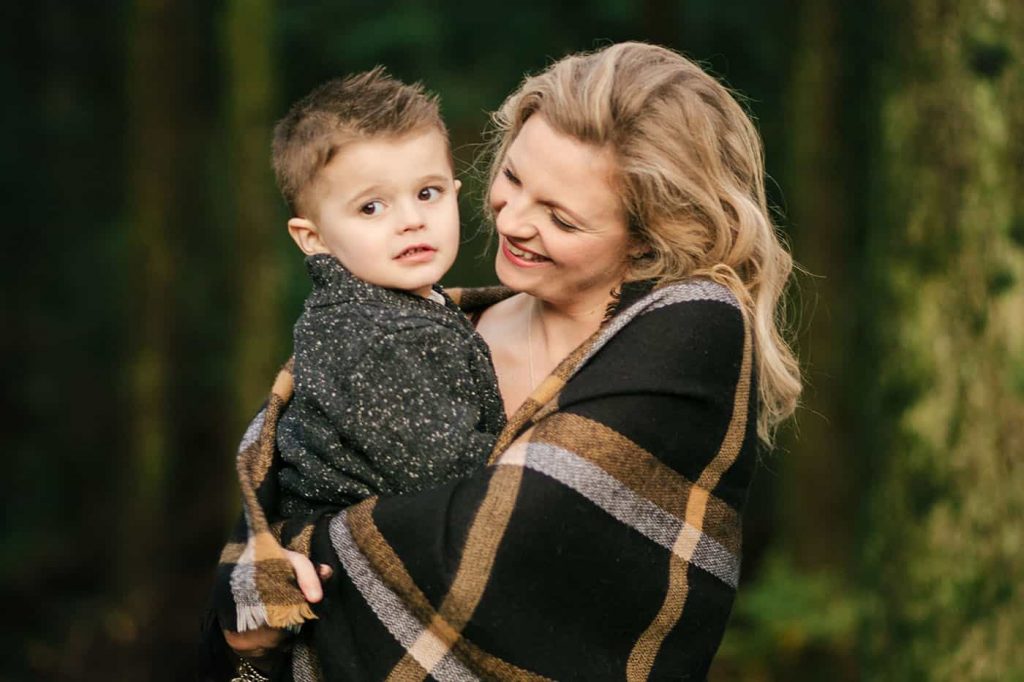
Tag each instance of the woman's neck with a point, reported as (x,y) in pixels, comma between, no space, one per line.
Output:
(554,331)
(529,337)
(559,330)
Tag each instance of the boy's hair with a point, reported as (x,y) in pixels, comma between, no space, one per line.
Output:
(341,110)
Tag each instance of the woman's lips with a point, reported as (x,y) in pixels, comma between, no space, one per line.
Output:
(417,253)
(522,257)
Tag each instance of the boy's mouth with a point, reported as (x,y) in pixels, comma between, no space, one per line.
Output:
(416,250)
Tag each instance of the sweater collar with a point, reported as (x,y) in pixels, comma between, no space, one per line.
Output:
(333,283)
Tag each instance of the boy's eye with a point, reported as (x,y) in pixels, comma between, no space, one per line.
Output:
(510,176)
(372,208)
(429,193)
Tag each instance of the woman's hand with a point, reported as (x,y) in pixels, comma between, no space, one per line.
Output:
(258,643)
(255,644)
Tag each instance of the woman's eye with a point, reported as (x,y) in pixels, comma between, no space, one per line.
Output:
(569,227)
(429,193)
(372,208)
(510,176)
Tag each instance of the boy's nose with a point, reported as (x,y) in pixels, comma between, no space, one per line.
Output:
(411,219)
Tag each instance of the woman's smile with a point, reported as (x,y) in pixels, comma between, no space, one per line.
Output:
(521,256)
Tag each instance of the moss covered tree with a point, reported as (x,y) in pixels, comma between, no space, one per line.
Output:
(944,316)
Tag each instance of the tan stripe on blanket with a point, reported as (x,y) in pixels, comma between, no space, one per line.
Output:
(638,470)
(231,552)
(432,648)
(477,558)
(641,658)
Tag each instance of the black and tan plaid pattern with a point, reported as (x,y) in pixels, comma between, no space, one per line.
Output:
(602,543)
(262,581)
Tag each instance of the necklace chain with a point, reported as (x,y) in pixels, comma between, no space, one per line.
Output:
(529,345)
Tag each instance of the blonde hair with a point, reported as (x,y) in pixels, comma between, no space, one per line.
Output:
(691,178)
(363,105)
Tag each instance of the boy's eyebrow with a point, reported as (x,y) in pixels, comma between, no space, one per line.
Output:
(363,192)
(377,188)
(435,177)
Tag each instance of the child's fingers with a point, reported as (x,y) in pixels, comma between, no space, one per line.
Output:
(306,576)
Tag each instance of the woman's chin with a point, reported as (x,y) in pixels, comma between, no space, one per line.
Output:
(512,277)
(513,283)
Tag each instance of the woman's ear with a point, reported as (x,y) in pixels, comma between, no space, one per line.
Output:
(458,185)
(306,236)
(638,249)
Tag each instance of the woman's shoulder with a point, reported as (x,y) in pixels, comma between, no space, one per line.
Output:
(693,290)
(688,314)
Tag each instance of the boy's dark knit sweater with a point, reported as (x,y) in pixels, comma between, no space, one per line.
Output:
(394,393)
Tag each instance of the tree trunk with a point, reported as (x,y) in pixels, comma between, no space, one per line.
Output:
(155,141)
(258,228)
(815,479)
(943,543)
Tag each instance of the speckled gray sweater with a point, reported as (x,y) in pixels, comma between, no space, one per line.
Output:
(394,393)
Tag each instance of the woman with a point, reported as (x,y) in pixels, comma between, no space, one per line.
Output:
(641,362)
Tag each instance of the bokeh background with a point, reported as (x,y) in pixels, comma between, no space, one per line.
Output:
(149,287)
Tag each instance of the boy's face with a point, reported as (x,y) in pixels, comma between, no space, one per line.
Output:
(387,208)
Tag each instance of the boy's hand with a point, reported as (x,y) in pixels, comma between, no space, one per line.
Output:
(307,576)
(259,643)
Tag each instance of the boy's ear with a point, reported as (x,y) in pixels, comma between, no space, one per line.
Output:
(305,235)
(458,185)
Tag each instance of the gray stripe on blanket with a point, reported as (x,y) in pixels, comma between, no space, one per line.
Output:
(387,605)
(250,611)
(252,432)
(305,666)
(630,508)
(682,292)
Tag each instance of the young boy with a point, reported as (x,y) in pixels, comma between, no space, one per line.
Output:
(394,390)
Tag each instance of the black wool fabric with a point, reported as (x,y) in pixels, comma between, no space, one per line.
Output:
(394,393)
(602,543)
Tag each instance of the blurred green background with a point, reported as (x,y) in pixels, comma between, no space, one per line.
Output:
(149,287)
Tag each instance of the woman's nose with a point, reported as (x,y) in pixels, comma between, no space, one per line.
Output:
(512,219)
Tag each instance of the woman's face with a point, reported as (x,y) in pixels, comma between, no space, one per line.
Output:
(562,229)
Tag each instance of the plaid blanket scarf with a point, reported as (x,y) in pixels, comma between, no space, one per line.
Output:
(263,587)
(602,542)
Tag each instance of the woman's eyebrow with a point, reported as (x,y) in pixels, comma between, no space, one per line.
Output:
(549,203)
(572,215)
